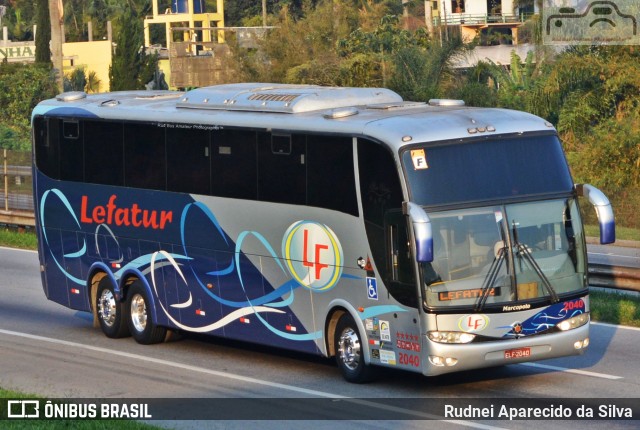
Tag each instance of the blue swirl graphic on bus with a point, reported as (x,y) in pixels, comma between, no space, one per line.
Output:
(81,252)
(270,301)
(312,259)
(548,318)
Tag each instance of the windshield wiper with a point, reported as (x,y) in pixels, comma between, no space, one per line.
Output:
(489,280)
(523,251)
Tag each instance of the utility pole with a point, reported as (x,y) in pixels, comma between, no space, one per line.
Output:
(264,13)
(56,13)
(428,17)
(405,13)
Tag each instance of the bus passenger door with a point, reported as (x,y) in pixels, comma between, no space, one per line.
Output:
(400,279)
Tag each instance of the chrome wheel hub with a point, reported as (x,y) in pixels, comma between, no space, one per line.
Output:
(107,308)
(349,349)
(138,313)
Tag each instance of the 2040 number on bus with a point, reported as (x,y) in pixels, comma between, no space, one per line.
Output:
(408,359)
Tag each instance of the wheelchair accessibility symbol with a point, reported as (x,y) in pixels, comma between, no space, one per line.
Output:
(372,288)
(604,22)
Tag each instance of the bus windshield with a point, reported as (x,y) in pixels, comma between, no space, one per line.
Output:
(502,254)
(485,170)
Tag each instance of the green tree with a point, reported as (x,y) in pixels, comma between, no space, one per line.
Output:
(301,43)
(76,80)
(511,83)
(19,19)
(130,67)
(43,33)
(421,73)
(22,86)
(592,94)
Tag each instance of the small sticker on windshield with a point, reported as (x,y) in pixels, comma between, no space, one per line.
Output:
(419,158)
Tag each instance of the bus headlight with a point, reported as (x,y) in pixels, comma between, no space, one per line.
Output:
(450,336)
(574,322)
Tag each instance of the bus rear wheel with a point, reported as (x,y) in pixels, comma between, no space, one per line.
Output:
(141,324)
(350,351)
(112,313)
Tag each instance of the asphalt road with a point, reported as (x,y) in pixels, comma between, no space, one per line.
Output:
(620,256)
(55,352)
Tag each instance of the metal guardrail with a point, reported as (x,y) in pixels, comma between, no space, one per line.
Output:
(17,201)
(615,277)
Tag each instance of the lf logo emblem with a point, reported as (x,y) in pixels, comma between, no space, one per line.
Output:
(23,409)
(313,255)
(372,288)
(473,323)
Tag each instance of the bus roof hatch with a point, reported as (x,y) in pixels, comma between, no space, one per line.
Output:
(283,98)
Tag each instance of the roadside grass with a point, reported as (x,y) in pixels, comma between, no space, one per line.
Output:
(606,306)
(622,233)
(63,424)
(615,307)
(12,238)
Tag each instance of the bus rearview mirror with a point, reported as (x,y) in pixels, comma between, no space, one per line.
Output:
(604,211)
(421,231)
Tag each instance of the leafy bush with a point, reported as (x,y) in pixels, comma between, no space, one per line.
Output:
(22,87)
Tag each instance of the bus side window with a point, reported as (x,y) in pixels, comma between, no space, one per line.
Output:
(145,156)
(45,133)
(234,164)
(188,160)
(103,152)
(330,168)
(71,150)
(282,169)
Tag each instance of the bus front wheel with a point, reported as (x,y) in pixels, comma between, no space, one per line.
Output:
(143,328)
(350,351)
(112,313)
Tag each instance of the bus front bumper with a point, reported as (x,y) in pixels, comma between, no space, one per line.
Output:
(441,358)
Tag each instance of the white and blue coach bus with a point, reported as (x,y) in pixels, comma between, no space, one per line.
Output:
(344,222)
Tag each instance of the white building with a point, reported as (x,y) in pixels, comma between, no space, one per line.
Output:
(482,17)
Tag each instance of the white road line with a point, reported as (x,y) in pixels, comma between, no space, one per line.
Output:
(613,255)
(217,373)
(19,249)
(575,371)
(616,326)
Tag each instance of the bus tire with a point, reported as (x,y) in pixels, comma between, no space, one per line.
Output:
(112,313)
(141,324)
(349,351)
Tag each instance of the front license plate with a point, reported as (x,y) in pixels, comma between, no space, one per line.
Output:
(517,353)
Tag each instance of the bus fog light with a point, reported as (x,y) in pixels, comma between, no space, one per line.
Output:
(581,344)
(436,360)
(442,361)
